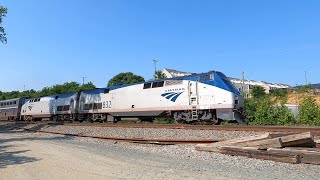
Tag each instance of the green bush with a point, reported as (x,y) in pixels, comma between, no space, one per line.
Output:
(250,108)
(280,95)
(258,92)
(309,112)
(283,116)
(304,88)
(264,111)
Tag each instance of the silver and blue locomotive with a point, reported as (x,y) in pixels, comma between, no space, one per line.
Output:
(205,97)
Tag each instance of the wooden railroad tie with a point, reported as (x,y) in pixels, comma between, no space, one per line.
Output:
(288,148)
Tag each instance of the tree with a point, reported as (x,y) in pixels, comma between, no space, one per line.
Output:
(281,95)
(3,13)
(88,86)
(258,92)
(304,88)
(160,75)
(125,78)
(48,91)
(309,112)
(264,111)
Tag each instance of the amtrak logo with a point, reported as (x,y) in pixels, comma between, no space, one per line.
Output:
(30,107)
(172,96)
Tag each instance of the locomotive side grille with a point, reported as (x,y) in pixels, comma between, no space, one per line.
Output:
(173,82)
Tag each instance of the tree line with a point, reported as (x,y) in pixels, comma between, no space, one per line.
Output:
(47,91)
(120,79)
(270,109)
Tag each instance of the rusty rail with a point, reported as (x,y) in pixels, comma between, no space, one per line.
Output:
(208,127)
(198,127)
(134,140)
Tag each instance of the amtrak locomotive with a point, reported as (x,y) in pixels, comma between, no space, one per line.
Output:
(206,97)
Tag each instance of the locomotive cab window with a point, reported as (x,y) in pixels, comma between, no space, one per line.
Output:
(157,84)
(146,85)
(106,91)
(205,77)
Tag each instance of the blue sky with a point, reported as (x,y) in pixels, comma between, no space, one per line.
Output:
(56,41)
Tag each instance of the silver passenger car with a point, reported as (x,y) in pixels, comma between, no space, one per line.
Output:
(10,109)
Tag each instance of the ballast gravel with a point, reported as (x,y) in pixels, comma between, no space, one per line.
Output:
(150,133)
(210,165)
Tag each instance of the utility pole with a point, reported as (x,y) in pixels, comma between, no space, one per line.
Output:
(83,80)
(305,76)
(242,82)
(155,68)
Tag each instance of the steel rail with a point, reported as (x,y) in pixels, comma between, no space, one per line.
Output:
(207,127)
(134,140)
(195,127)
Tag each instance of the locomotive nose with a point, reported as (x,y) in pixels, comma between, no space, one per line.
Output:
(238,101)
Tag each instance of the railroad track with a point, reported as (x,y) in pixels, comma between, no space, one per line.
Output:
(208,127)
(192,127)
(133,140)
(294,129)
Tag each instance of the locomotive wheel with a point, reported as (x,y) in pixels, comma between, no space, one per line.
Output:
(116,119)
(31,118)
(54,118)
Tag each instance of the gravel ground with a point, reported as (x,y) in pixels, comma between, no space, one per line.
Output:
(171,159)
(152,133)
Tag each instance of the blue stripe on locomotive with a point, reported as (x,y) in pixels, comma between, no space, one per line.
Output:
(217,81)
(220,81)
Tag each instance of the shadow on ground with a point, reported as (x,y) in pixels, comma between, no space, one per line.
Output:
(13,127)
(10,157)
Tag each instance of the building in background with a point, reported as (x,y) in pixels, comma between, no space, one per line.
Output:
(170,73)
(246,85)
(315,88)
(243,86)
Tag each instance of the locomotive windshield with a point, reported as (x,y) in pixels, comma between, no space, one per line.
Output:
(228,82)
